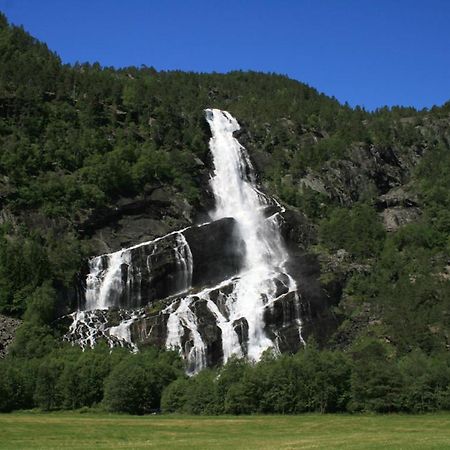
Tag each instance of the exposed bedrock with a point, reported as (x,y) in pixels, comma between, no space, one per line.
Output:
(209,330)
(158,269)
(217,254)
(8,328)
(316,299)
(210,246)
(281,319)
(217,251)
(152,330)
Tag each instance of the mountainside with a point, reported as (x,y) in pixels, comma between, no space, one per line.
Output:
(96,159)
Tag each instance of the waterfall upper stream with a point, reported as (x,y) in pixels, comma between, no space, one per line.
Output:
(237,196)
(221,286)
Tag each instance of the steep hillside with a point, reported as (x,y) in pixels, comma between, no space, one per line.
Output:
(95,159)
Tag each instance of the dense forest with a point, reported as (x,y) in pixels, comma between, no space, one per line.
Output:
(76,139)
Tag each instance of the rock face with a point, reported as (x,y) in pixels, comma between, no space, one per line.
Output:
(399,207)
(217,251)
(156,212)
(8,328)
(368,169)
(396,217)
(149,325)
(282,320)
(211,291)
(197,256)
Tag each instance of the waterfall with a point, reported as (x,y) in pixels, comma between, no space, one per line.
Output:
(104,283)
(183,257)
(236,194)
(221,315)
(115,281)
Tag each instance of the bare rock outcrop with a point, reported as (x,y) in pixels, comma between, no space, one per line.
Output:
(8,328)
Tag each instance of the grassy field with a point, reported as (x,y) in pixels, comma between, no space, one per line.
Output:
(76,431)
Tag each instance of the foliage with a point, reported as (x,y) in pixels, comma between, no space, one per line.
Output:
(135,385)
(74,139)
(371,378)
(376,382)
(357,230)
(315,381)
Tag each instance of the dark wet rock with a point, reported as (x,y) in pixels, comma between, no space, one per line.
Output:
(150,330)
(297,230)
(217,251)
(154,271)
(261,160)
(155,213)
(270,210)
(93,327)
(219,296)
(209,331)
(317,300)
(240,326)
(69,298)
(281,322)
(283,311)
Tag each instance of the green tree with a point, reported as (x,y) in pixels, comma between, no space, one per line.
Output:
(376,381)
(174,396)
(357,230)
(135,385)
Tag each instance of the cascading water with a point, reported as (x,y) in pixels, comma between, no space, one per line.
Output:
(114,281)
(252,283)
(237,196)
(112,276)
(183,256)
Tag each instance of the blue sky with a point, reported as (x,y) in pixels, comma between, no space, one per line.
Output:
(366,52)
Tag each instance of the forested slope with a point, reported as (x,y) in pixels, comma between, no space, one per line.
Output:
(81,146)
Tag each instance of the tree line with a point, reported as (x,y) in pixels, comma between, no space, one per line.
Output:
(366,379)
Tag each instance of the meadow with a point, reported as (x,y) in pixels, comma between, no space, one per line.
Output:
(309,431)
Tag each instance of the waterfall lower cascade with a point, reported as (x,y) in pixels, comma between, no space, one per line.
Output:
(251,307)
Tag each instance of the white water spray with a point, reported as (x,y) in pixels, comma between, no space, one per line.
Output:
(237,196)
(238,304)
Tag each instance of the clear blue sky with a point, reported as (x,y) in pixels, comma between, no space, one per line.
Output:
(366,52)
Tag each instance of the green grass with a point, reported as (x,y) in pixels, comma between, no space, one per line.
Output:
(74,431)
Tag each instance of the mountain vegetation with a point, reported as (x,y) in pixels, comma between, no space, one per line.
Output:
(373,186)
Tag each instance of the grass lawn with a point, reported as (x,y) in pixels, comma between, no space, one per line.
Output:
(74,430)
